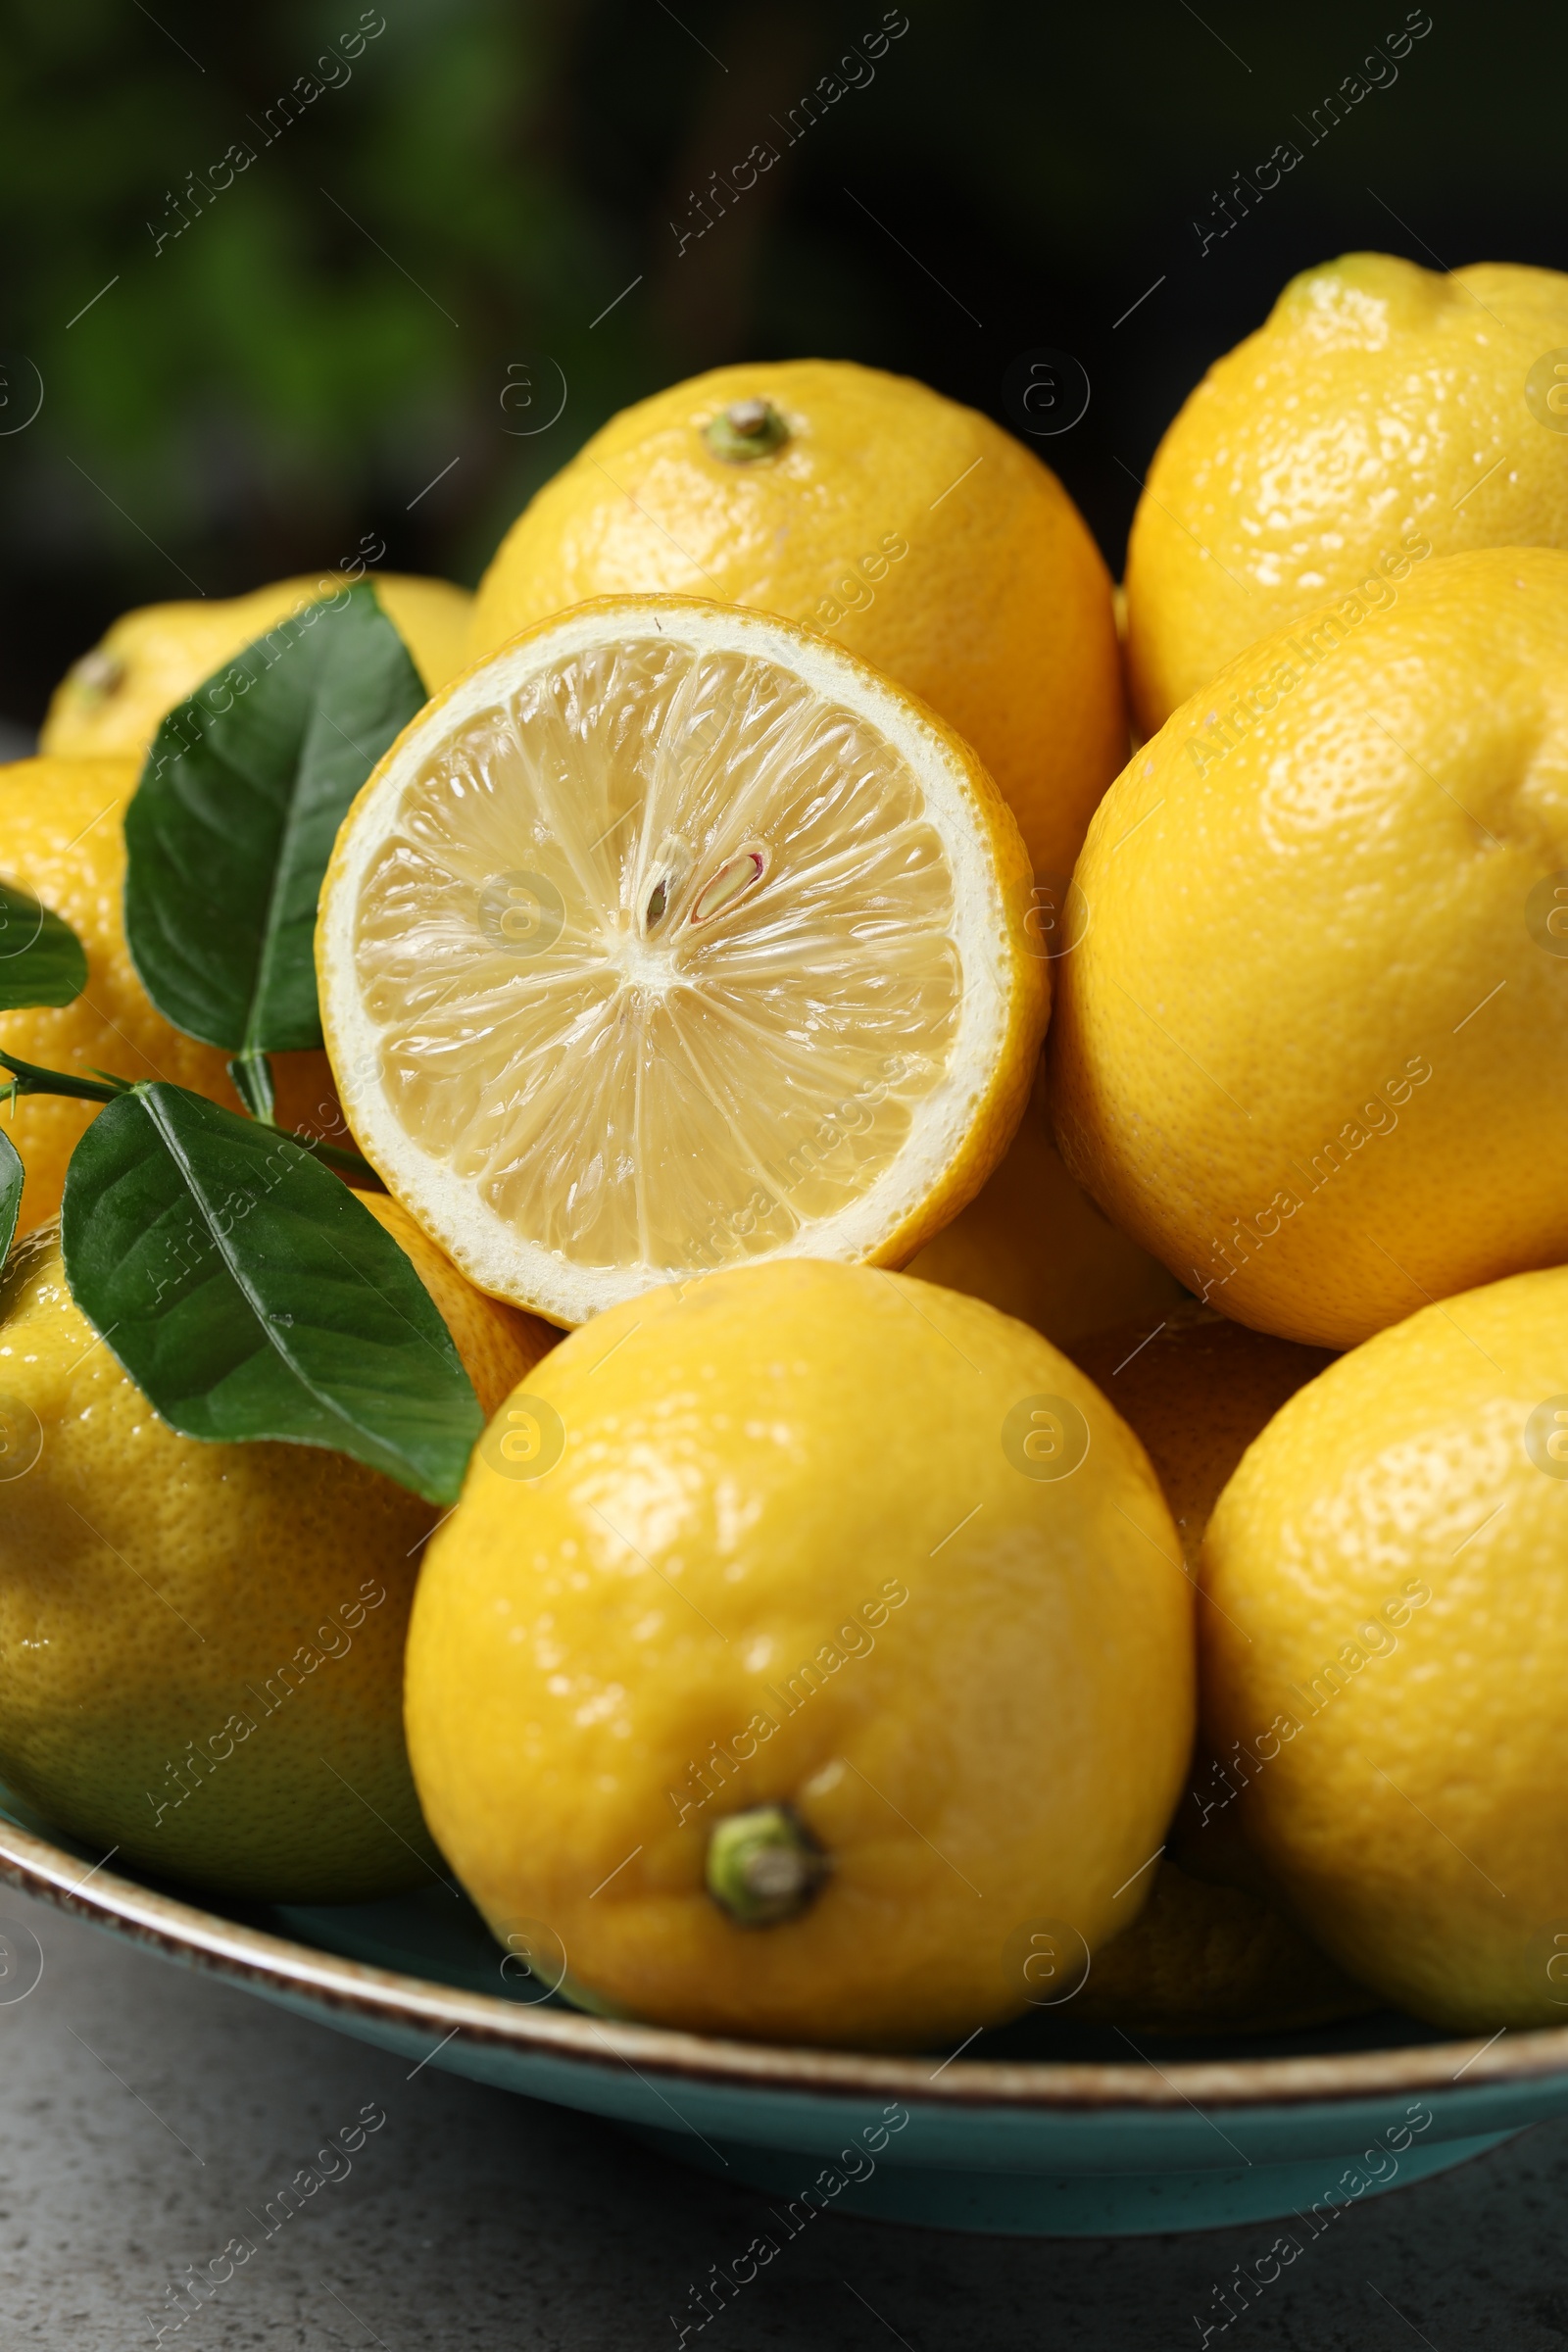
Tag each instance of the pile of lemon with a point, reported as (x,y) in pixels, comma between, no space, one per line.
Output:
(1054,1492)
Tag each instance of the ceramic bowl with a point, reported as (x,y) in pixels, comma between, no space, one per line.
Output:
(1038,2129)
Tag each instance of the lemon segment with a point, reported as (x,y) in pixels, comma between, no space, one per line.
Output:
(672,938)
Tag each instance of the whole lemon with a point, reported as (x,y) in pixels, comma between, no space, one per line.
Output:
(912,532)
(1196,1390)
(1205,1957)
(1034,1244)
(1213,1949)
(1381,413)
(817,1645)
(109,702)
(1312,1051)
(201,1646)
(62,837)
(1384,1656)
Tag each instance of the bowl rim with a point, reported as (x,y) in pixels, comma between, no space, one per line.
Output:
(183,1932)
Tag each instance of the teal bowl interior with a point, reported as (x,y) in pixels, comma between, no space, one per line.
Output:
(1039,2128)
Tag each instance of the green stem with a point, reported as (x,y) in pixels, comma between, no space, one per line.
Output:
(251,1075)
(27,1078)
(763,1865)
(746,430)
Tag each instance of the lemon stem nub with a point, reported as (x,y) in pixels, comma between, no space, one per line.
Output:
(763,1865)
(746,429)
(98,674)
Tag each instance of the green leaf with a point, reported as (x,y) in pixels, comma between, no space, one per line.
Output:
(232,826)
(10,1195)
(250,1295)
(42,962)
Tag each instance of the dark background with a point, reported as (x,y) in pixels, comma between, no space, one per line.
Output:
(335,329)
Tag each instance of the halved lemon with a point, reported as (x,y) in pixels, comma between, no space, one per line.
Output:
(671,937)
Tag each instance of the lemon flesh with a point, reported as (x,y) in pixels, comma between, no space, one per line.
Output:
(671,939)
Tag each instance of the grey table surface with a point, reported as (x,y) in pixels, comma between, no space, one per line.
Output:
(148,2115)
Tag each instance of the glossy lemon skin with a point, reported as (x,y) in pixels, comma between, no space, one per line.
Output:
(1215,1949)
(62,837)
(1314,1050)
(1379,403)
(1211,1958)
(201,1646)
(1195,1389)
(498,1344)
(1035,1245)
(109,704)
(1384,1661)
(784,1557)
(912,532)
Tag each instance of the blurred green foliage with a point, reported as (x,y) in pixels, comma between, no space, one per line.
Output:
(331,333)
(258,384)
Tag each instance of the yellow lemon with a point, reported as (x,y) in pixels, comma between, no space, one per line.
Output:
(1312,1050)
(1386,1652)
(672,936)
(817,1648)
(201,1646)
(62,837)
(496,1342)
(1210,1958)
(109,703)
(1196,1390)
(1211,1950)
(1034,1244)
(914,532)
(1383,412)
